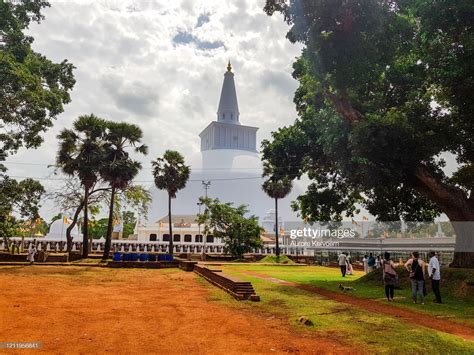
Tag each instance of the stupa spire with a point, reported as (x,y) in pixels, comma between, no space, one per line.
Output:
(228,110)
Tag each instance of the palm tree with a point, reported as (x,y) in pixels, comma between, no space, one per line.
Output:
(171,174)
(119,169)
(277,186)
(80,154)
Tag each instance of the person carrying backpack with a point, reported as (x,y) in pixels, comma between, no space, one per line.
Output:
(417,276)
(390,277)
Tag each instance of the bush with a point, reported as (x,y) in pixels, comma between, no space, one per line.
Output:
(273,259)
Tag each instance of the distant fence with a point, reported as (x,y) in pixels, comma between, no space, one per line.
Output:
(357,247)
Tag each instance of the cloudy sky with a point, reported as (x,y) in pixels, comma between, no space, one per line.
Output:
(160,64)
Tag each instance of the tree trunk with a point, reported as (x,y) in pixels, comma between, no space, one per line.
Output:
(108,237)
(85,237)
(170,226)
(277,230)
(464,248)
(71,227)
(459,209)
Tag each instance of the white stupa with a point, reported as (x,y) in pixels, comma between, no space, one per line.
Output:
(230,161)
(57,231)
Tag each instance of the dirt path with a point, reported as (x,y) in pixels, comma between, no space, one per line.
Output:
(86,310)
(424,319)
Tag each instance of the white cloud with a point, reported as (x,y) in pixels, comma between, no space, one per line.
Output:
(130,69)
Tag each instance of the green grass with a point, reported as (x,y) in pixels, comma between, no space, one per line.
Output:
(338,321)
(458,297)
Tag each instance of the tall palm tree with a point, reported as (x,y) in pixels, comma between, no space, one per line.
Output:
(171,174)
(119,169)
(277,186)
(80,154)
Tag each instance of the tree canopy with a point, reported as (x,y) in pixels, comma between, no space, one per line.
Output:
(22,198)
(170,172)
(385,93)
(240,234)
(33,89)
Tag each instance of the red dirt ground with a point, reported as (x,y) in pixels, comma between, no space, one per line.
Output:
(124,311)
(426,320)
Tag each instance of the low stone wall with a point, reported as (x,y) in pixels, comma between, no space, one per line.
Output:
(40,256)
(240,290)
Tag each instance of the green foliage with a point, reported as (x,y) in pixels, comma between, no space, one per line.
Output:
(276,186)
(22,198)
(128,217)
(118,169)
(33,89)
(137,197)
(170,172)
(81,151)
(127,230)
(273,259)
(98,229)
(368,130)
(240,234)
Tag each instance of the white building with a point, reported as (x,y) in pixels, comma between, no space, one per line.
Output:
(230,161)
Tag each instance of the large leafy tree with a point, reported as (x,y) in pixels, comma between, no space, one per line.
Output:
(240,234)
(81,154)
(171,174)
(33,89)
(21,198)
(276,187)
(385,91)
(118,168)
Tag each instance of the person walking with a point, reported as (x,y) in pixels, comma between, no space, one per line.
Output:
(31,253)
(434,272)
(378,262)
(349,264)
(371,262)
(342,263)
(417,276)
(390,276)
(366,264)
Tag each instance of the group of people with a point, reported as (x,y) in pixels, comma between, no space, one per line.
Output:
(371,263)
(416,268)
(345,263)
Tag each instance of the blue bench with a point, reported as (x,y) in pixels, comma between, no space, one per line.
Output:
(117,257)
(165,257)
